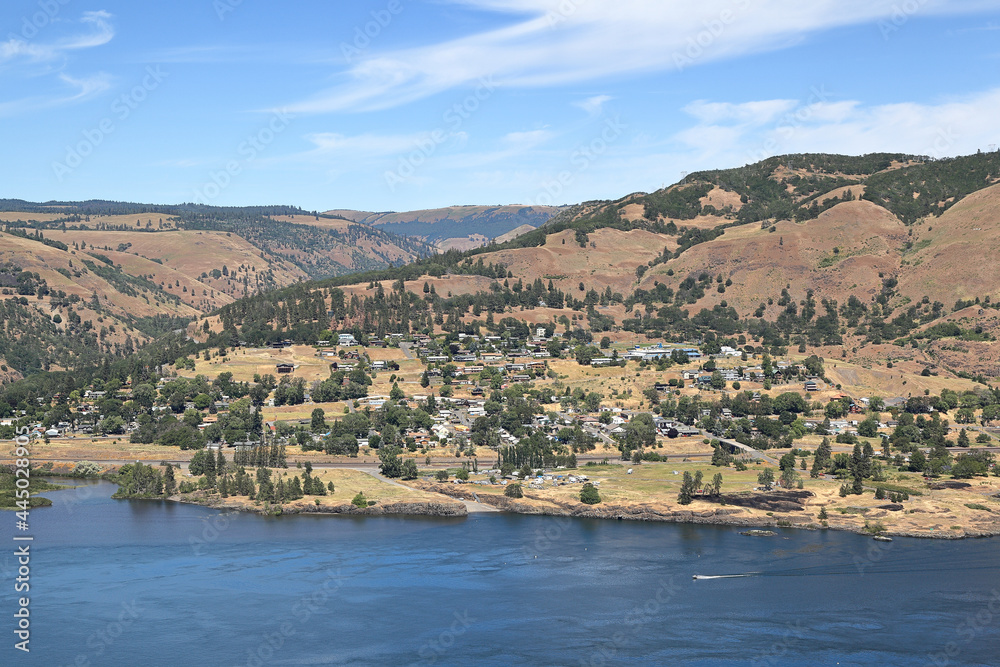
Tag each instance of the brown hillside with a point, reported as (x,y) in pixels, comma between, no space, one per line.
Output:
(837,254)
(955,256)
(609,260)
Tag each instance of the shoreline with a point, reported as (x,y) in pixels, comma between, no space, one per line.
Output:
(456,501)
(502,504)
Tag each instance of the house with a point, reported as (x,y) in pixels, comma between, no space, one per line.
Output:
(346,340)
(285,368)
(811,385)
(601,361)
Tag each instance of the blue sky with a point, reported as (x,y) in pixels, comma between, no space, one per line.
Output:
(405,104)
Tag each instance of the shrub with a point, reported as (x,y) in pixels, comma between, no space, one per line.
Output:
(360,500)
(589,494)
(513,491)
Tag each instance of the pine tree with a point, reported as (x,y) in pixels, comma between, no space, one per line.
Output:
(687,486)
(210,476)
(169,483)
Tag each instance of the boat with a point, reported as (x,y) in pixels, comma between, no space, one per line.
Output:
(882,538)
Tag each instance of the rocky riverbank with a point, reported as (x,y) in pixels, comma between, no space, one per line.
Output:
(411,508)
(790,504)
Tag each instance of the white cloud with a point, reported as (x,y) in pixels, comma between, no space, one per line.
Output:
(951,127)
(80,89)
(530,139)
(556,42)
(99,32)
(594,105)
(749,113)
(41,54)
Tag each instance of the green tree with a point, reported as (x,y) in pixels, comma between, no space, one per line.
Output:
(318,420)
(868,428)
(390,465)
(589,494)
(766,478)
(441,475)
(359,500)
(687,489)
(409,469)
(513,491)
(788,477)
(717,484)
(169,482)
(822,459)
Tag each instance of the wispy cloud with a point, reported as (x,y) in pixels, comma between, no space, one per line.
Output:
(39,57)
(949,127)
(594,105)
(99,31)
(74,90)
(556,43)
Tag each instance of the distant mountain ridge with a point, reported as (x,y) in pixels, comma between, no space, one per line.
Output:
(454,222)
(82,279)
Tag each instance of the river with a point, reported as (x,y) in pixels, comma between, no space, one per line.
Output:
(154,583)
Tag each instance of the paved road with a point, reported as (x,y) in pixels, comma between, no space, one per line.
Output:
(755,453)
(470,505)
(405,347)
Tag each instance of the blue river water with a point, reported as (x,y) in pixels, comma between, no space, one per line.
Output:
(152,583)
